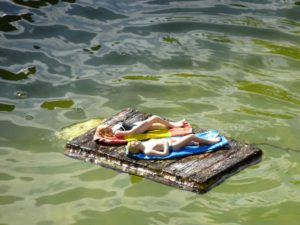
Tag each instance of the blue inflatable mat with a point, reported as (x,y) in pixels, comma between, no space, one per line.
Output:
(187,150)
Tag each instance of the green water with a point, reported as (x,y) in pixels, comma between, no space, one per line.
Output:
(227,65)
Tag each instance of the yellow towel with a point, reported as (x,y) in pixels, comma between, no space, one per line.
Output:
(150,134)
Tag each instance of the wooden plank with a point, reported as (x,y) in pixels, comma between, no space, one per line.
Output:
(198,173)
(205,171)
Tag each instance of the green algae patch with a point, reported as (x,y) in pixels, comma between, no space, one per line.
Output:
(74,130)
(255,112)
(190,75)
(9,199)
(270,91)
(288,51)
(21,75)
(57,104)
(171,40)
(141,77)
(6,107)
(202,76)
(5,176)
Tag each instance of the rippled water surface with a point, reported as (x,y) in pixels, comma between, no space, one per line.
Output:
(227,65)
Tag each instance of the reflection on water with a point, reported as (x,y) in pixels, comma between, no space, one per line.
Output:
(230,65)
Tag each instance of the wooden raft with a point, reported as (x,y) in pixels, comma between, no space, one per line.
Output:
(197,173)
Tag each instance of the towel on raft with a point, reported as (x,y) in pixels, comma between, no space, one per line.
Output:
(187,150)
(161,133)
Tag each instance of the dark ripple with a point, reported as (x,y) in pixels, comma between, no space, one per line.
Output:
(221,10)
(45,90)
(216,10)
(54,31)
(9,8)
(40,91)
(12,57)
(161,96)
(291,13)
(128,215)
(205,100)
(73,195)
(26,138)
(115,58)
(167,2)
(233,30)
(9,199)
(39,3)
(7,20)
(99,13)
(179,61)
(5,177)
(96,175)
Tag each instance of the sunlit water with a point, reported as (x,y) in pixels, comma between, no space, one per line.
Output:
(227,65)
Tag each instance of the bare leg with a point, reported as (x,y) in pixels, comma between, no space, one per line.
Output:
(156,119)
(149,124)
(191,139)
(168,124)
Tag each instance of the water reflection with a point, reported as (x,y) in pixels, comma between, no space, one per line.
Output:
(92,13)
(228,65)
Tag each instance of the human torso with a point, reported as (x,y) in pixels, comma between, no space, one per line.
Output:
(154,144)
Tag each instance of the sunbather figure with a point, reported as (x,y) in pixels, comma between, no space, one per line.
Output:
(122,129)
(160,147)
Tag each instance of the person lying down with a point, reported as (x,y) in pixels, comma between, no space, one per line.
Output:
(123,129)
(160,147)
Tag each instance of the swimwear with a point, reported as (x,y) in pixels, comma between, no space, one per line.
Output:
(128,126)
(170,146)
(117,127)
(123,126)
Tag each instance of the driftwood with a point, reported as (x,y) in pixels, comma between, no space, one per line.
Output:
(197,173)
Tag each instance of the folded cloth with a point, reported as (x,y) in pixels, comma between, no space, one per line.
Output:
(187,150)
(176,131)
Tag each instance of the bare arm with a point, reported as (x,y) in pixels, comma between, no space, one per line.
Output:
(158,153)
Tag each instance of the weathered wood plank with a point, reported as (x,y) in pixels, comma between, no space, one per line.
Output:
(197,173)
(189,165)
(232,157)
